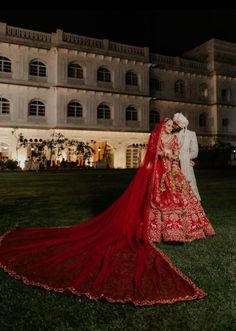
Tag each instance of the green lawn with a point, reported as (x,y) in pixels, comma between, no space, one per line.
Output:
(69,197)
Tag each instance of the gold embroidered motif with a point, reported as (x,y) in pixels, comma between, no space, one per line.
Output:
(175,212)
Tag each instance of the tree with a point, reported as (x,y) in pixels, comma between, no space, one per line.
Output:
(55,144)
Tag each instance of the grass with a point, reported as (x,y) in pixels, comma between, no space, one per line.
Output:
(69,197)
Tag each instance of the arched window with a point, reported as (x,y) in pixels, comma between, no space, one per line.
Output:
(36,108)
(4,106)
(103,75)
(75,71)
(203,90)
(202,120)
(155,84)
(131,114)
(154,118)
(37,68)
(103,111)
(131,78)
(225,124)
(225,95)
(5,64)
(74,109)
(179,88)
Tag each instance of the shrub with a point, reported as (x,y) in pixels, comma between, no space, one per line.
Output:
(11,165)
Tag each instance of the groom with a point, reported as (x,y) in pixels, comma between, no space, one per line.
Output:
(188,149)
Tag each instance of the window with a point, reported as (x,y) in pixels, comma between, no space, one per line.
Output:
(132,157)
(131,114)
(4,106)
(36,108)
(74,109)
(203,90)
(37,68)
(155,84)
(75,71)
(5,64)
(225,122)
(103,111)
(103,75)
(131,78)
(225,95)
(154,118)
(179,88)
(4,151)
(202,120)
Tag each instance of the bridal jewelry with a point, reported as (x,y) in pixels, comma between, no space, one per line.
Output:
(166,136)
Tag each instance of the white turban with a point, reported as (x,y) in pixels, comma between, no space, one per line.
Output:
(181,120)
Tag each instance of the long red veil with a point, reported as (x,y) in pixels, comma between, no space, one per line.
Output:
(109,256)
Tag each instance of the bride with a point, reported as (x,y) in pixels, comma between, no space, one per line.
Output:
(113,256)
(175,211)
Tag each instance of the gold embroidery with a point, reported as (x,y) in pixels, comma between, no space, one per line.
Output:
(162,184)
(175,213)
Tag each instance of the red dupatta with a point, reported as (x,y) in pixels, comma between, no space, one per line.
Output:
(108,257)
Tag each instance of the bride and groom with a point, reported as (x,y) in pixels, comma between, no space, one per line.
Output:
(114,255)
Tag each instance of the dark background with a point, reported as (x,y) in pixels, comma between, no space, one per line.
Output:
(169,32)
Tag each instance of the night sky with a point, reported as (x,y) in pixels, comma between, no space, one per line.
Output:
(169,32)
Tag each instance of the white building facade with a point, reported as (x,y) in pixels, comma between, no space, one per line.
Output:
(201,85)
(113,94)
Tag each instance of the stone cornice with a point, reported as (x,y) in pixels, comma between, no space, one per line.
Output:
(61,39)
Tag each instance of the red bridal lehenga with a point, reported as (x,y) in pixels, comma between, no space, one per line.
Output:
(175,212)
(112,256)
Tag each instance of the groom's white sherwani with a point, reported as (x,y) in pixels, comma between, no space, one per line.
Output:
(188,150)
